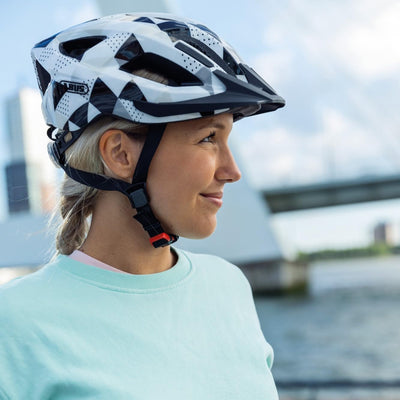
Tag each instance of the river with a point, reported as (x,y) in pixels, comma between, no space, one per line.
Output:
(346,327)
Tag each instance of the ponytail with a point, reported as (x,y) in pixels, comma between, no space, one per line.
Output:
(74,210)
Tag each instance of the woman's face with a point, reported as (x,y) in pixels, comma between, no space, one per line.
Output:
(188,173)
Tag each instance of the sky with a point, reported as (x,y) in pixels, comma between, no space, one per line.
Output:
(335,63)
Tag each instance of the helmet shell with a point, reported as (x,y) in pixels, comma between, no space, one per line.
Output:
(88,71)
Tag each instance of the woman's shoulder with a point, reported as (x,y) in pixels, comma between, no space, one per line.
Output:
(24,294)
(26,283)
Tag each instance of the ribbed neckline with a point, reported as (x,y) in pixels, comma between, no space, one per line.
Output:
(147,283)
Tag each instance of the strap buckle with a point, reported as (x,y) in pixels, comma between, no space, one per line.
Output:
(139,199)
(163,239)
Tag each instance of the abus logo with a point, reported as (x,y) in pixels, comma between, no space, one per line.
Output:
(76,87)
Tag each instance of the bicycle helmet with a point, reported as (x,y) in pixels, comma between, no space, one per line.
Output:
(87,72)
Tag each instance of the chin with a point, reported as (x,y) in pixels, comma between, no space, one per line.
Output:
(198,235)
(197,230)
(201,231)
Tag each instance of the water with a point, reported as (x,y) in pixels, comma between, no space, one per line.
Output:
(347,327)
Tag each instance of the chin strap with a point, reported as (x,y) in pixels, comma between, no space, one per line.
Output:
(135,191)
(158,237)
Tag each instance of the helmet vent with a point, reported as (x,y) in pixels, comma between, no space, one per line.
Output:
(228,58)
(194,55)
(174,73)
(210,53)
(76,48)
(129,50)
(174,29)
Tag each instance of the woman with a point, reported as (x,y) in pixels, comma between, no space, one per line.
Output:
(140,108)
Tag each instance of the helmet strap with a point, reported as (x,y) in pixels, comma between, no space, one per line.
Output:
(145,215)
(135,191)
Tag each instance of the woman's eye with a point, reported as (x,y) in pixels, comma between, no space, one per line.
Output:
(209,138)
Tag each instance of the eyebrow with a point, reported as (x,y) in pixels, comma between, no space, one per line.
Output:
(212,124)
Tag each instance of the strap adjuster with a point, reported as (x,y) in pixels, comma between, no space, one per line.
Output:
(163,239)
(138,196)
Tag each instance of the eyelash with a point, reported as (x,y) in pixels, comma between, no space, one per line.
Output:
(210,136)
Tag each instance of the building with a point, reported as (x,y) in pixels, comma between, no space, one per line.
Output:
(29,173)
(384,233)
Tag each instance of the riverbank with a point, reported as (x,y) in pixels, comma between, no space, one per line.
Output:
(373,250)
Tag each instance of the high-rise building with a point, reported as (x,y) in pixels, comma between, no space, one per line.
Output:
(29,173)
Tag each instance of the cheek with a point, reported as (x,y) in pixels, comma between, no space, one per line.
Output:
(175,197)
(180,174)
(177,184)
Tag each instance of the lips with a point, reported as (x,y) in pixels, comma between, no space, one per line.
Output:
(215,198)
(216,195)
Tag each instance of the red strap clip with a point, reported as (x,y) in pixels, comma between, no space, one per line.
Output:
(161,240)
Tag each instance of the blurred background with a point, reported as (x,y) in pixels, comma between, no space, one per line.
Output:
(315,221)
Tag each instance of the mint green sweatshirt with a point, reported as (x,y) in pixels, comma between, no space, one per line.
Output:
(74,331)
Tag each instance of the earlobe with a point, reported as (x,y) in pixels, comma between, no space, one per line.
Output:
(117,152)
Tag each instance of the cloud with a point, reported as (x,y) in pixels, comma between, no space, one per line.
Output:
(337,64)
(359,37)
(368,46)
(280,157)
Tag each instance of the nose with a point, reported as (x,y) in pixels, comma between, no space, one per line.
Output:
(227,170)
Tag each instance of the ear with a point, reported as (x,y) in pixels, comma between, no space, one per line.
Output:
(119,153)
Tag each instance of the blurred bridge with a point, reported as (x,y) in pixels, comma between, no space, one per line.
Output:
(337,193)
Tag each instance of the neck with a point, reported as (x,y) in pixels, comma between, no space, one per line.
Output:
(117,239)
